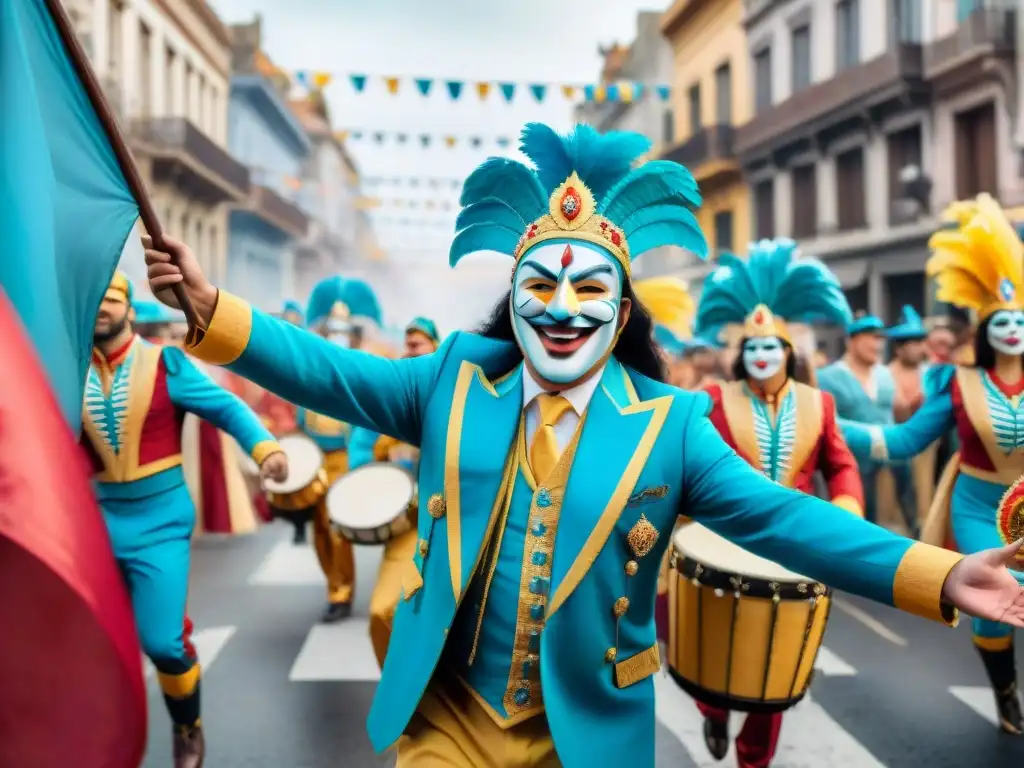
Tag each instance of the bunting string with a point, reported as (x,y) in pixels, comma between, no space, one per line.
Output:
(412,182)
(423,140)
(623,91)
(373,203)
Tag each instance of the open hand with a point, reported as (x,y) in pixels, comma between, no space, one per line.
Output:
(981,585)
(177,264)
(274,467)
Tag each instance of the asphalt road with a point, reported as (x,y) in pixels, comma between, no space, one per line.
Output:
(281,691)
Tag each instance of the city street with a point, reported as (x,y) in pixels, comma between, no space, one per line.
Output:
(280,691)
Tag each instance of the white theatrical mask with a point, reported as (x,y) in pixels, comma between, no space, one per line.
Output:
(565,308)
(1006,332)
(763,357)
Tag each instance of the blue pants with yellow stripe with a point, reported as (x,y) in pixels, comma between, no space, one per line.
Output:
(151,538)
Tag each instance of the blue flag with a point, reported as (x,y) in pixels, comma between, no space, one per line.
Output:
(65,208)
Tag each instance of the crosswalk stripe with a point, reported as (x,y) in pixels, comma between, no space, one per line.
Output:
(208,644)
(810,737)
(289,565)
(979,698)
(868,621)
(339,651)
(829,664)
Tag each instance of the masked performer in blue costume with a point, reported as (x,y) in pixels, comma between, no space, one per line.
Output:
(553,467)
(421,338)
(338,311)
(978,267)
(136,396)
(781,426)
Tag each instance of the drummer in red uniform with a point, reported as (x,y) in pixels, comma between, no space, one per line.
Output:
(783,428)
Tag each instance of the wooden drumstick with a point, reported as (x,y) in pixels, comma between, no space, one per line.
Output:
(122,154)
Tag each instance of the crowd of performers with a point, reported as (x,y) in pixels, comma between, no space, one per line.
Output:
(557,481)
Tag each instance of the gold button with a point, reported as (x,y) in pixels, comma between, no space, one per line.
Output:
(631,568)
(423,547)
(436,506)
(621,606)
(609,655)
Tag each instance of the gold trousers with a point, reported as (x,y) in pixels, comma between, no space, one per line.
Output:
(388,590)
(333,550)
(450,729)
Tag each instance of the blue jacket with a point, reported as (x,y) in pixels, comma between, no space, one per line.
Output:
(462,406)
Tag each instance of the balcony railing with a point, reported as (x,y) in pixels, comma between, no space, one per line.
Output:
(171,137)
(985,32)
(851,92)
(269,205)
(711,143)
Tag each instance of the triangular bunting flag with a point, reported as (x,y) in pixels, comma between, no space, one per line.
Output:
(379,137)
(450,141)
(588,92)
(413,204)
(503,142)
(476,141)
(600,94)
(341,135)
(569,91)
(612,92)
(425,139)
(483,90)
(321,79)
(302,78)
(664,92)
(401,138)
(358,82)
(455,185)
(392,85)
(430,205)
(454,89)
(508,90)
(432,183)
(356,135)
(539,90)
(423,84)
(638,91)
(414,183)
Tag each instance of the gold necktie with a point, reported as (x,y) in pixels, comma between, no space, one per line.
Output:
(544,450)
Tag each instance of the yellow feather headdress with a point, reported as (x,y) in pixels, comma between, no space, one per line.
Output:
(668,301)
(979,265)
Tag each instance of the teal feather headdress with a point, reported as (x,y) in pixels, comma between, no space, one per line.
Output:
(583,186)
(341,299)
(294,308)
(910,327)
(768,289)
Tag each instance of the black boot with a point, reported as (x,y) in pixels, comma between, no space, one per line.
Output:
(300,533)
(189,746)
(1002,673)
(336,612)
(716,737)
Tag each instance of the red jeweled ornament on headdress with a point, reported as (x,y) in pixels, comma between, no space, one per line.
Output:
(759,317)
(1010,514)
(571,203)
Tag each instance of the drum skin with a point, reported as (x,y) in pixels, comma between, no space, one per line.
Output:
(741,643)
(340,501)
(306,496)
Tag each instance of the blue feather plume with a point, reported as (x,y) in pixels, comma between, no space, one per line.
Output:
(322,298)
(509,181)
(490,210)
(796,290)
(483,237)
(361,300)
(655,183)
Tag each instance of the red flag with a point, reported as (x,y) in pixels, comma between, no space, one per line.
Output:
(73,692)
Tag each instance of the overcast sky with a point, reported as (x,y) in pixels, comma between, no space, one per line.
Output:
(523,41)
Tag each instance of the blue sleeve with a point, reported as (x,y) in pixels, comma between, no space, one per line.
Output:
(900,442)
(192,390)
(798,531)
(360,447)
(362,389)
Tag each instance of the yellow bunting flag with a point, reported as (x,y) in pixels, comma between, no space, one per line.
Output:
(600,94)
(341,136)
(626,92)
(483,90)
(321,79)
(569,91)
(367,203)
(392,84)
(450,141)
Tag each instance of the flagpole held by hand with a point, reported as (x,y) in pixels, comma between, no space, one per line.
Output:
(124,157)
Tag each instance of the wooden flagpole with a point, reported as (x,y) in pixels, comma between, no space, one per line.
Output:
(117,142)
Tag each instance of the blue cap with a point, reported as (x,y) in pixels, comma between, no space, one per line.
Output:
(865,324)
(426,326)
(910,327)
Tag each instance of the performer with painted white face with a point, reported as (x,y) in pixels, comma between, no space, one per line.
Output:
(977,267)
(553,467)
(781,427)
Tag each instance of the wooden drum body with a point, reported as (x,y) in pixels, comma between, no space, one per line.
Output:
(373,504)
(743,631)
(306,483)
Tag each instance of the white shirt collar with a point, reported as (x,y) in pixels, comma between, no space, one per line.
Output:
(578,396)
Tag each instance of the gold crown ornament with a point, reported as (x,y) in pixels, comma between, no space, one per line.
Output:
(762,324)
(572,214)
(340,311)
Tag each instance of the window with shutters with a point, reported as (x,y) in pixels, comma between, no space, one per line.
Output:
(763,79)
(764,209)
(801,51)
(974,152)
(850,190)
(695,121)
(723,95)
(723,231)
(847,34)
(805,201)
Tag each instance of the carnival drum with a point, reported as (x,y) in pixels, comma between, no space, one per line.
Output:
(744,632)
(306,483)
(373,504)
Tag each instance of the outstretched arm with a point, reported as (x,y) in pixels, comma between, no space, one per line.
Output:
(356,387)
(837,464)
(900,442)
(192,390)
(805,534)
